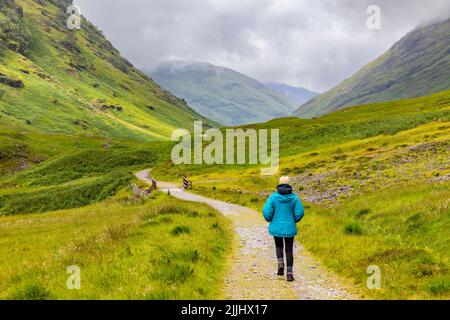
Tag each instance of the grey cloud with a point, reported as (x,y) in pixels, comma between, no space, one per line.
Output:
(315,44)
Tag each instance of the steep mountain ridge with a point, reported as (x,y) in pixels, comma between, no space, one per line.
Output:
(75,82)
(417,65)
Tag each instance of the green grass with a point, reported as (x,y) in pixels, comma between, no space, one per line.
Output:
(69,195)
(404,234)
(88,173)
(124,251)
(374,181)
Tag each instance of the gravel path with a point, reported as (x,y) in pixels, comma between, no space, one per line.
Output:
(252,273)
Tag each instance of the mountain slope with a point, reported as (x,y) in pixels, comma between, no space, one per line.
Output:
(298,94)
(75,82)
(222,94)
(417,65)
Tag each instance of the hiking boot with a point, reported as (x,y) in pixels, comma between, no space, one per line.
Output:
(280,271)
(290,277)
(280,267)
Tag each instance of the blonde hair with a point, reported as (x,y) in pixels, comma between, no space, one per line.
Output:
(285,180)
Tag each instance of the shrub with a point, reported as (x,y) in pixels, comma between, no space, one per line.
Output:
(353,228)
(439,286)
(188,255)
(217,227)
(168,294)
(14,34)
(174,273)
(178,272)
(70,43)
(298,170)
(32,292)
(164,219)
(180,230)
(363,212)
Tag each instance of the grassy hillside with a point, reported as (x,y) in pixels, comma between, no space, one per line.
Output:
(302,139)
(417,65)
(46,172)
(375,180)
(53,80)
(222,94)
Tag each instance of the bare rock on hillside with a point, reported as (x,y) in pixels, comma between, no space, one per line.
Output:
(15,83)
(114,107)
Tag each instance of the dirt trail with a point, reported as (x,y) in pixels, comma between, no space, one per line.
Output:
(252,274)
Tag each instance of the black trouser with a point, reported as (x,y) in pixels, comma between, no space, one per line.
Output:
(288,244)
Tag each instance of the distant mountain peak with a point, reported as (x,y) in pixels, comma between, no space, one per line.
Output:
(298,94)
(222,94)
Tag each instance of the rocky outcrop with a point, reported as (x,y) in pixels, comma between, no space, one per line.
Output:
(15,83)
(114,107)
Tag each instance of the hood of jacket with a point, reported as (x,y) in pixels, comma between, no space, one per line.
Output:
(284,193)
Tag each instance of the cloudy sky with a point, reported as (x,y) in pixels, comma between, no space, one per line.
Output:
(310,43)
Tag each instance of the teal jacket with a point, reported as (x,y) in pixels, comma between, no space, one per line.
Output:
(283,210)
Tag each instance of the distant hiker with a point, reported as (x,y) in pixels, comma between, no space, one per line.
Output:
(283,210)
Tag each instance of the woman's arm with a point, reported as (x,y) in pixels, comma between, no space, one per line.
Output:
(268,210)
(299,210)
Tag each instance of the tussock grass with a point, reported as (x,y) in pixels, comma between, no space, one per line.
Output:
(439,286)
(354,228)
(180,230)
(32,291)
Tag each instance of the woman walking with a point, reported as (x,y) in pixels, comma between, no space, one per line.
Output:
(284,210)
